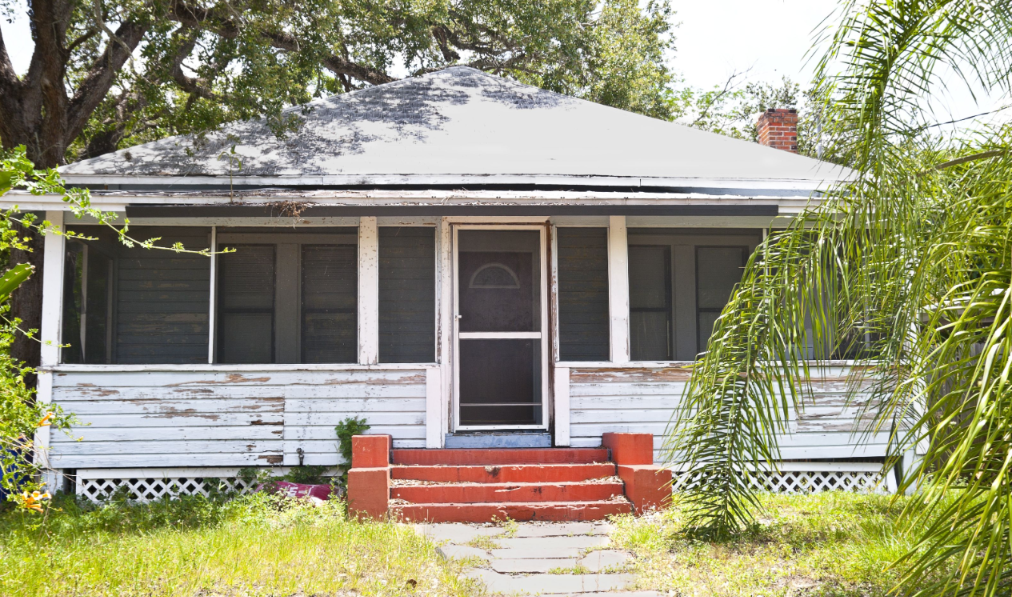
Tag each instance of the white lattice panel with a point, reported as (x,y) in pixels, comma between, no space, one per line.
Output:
(800,481)
(153,484)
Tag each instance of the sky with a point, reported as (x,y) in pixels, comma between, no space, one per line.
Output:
(769,38)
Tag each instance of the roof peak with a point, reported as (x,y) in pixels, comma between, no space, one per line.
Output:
(450,126)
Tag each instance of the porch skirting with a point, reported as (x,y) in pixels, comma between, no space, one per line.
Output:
(150,484)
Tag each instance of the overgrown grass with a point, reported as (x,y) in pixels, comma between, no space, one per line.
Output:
(828,544)
(257,545)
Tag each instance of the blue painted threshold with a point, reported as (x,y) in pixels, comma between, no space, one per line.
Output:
(499,439)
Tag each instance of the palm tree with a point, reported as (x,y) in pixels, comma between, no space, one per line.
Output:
(907,268)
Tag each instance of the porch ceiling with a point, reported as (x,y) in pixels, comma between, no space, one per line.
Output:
(462,128)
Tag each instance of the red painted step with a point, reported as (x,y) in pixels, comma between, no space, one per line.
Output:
(508,492)
(487,512)
(515,473)
(501,456)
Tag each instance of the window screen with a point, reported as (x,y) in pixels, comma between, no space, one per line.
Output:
(583,294)
(650,303)
(407,295)
(718,269)
(288,296)
(136,305)
(329,303)
(246,304)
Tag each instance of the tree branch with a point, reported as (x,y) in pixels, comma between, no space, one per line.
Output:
(195,86)
(340,66)
(100,77)
(223,24)
(10,95)
(8,76)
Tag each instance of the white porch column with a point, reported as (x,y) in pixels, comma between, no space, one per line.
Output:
(368,291)
(439,425)
(618,288)
(562,412)
(52,316)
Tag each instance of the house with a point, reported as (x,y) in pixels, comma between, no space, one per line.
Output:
(464,261)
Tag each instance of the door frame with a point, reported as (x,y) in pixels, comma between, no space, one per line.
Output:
(544,333)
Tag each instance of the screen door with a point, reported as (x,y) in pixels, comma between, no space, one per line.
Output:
(501,360)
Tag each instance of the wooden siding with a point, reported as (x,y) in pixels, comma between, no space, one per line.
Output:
(221,418)
(643,400)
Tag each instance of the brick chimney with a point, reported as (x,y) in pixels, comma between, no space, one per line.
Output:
(778,128)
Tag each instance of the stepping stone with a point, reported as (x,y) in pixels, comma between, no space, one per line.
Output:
(617,594)
(577,542)
(459,552)
(457,533)
(551,584)
(522,553)
(597,561)
(528,565)
(556,530)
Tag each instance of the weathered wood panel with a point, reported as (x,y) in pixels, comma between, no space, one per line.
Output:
(222,418)
(644,399)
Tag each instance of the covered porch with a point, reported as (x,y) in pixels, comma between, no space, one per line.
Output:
(439,331)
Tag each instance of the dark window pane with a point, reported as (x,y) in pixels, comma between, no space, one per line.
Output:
(500,382)
(87,308)
(329,303)
(650,303)
(407,295)
(499,280)
(583,294)
(72,336)
(137,305)
(704,326)
(718,269)
(246,305)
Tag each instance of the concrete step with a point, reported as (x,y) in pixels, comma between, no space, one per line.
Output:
(508,492)
(513,473)
(519,511)
(500,456)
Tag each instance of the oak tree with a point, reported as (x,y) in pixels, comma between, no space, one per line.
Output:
(106,74)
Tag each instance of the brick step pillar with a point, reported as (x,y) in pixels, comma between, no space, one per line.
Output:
(369,477)
(646,485)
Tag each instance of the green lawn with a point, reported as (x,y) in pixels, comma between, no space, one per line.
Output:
(831,544)
(253,546)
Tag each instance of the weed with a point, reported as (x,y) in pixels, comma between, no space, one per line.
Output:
(483,542)
(255,545)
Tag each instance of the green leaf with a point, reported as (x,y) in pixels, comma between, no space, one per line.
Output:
(13,278)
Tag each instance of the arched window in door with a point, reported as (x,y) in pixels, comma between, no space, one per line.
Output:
(494,275)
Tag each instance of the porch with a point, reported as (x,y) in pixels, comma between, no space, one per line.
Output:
(183,367)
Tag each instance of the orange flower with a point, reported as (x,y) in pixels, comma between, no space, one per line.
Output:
(34,500)
(46,420)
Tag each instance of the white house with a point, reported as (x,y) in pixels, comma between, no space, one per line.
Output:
(460,259)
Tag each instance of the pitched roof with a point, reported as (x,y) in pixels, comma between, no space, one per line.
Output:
(460,127)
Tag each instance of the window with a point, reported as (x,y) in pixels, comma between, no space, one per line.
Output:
(650,312)
(287,296)
(679,282)
(718,269)
(134,305)
(583,294)
(407,295)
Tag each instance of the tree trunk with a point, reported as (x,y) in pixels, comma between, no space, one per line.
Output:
(26,304)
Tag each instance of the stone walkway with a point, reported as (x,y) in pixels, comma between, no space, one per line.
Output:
(568,558)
